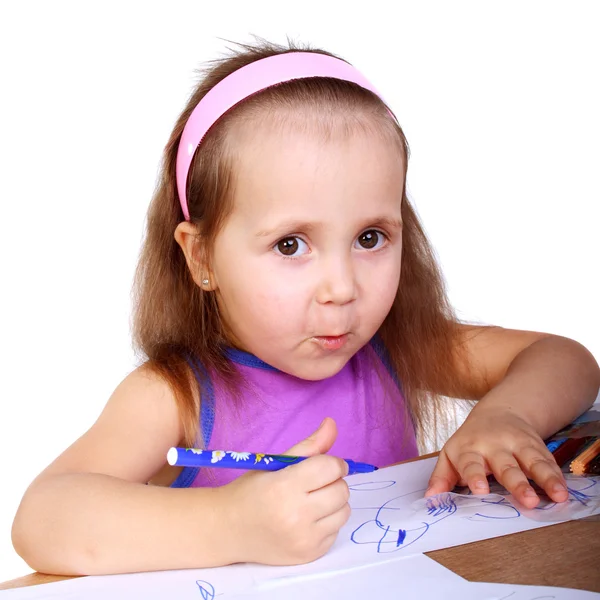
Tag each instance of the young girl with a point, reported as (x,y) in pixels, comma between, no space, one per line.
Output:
(287,299)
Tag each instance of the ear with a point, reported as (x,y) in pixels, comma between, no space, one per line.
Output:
(191,242)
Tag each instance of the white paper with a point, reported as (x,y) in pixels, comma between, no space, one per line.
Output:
(238,581)
(391,522)
(390,515)
(415,577)
(381,582)
(504,591)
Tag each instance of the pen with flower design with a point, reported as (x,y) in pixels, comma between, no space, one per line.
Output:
(194,457)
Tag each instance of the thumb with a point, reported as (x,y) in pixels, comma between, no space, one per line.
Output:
(317,443)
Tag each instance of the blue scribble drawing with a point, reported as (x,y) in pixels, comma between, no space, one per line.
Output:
(405,518)
(584,491)
(207,590)
(383,532)
(584,500)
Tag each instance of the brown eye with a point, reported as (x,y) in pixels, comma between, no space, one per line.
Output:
(288,246)
(369,239)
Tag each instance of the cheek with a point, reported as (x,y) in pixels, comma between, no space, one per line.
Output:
(382,285)
(269,299)
(280,301)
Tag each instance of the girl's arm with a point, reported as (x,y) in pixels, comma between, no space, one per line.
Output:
(90,512)
(529,385)
(547,378)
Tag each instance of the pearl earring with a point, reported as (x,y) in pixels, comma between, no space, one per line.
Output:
(205,282)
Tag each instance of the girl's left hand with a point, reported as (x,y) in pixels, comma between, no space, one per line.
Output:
(493,440)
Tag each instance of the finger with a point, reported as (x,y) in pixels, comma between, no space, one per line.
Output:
(472,469)
(508,472)
(329,499)
(331,524)
(539,465)
(319,442)
(443,478)
(315,472)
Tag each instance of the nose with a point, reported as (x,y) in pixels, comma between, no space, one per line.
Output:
(337,282)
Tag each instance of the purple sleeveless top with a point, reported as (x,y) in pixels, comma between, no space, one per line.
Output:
(274,411)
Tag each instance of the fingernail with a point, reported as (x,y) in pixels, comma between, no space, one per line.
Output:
(529,492)
(481,485)
(559,487)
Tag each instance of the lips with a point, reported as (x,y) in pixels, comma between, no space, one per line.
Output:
(331,342)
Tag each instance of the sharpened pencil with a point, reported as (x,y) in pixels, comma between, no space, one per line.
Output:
(580,463)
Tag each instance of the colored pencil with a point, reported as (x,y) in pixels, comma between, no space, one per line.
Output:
(580,463)
(593,468)
(565,453)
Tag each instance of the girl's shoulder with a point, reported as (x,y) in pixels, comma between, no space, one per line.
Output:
(132,435)
(146,397)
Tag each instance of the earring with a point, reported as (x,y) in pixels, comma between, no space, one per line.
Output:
(205,282)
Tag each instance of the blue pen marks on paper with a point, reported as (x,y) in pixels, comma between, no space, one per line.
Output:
(383,529)
(405,518)
(207,590)
(584,500)
(580,496)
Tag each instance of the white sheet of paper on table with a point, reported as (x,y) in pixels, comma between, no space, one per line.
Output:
(383,582)
(390,515)
(390,522)
(415,577)
(390,518)
(410,573)
(504,591)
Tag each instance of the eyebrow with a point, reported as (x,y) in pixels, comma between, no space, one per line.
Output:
(294,226)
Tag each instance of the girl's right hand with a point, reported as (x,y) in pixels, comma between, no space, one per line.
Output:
(290,516)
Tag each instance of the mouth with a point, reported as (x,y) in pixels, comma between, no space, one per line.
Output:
(331,342)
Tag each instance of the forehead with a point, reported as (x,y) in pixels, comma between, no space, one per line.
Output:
(326,123)
(307,163)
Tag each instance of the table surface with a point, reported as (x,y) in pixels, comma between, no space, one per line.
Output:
(564,555)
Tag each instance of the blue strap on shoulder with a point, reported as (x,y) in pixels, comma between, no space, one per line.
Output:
(207,420)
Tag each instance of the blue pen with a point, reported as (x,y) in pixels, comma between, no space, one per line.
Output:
(556,444)
(193,457)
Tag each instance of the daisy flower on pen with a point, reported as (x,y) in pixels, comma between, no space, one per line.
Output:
(217,455)
(237,456)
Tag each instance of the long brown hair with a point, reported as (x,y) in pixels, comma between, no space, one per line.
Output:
(174,320)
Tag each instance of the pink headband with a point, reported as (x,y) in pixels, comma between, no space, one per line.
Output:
(244,82)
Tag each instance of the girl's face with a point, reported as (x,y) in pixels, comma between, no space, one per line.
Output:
(307,265)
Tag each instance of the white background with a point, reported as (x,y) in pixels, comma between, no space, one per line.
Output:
(499,101)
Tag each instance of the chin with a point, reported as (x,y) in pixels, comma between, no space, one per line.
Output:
(315,369)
